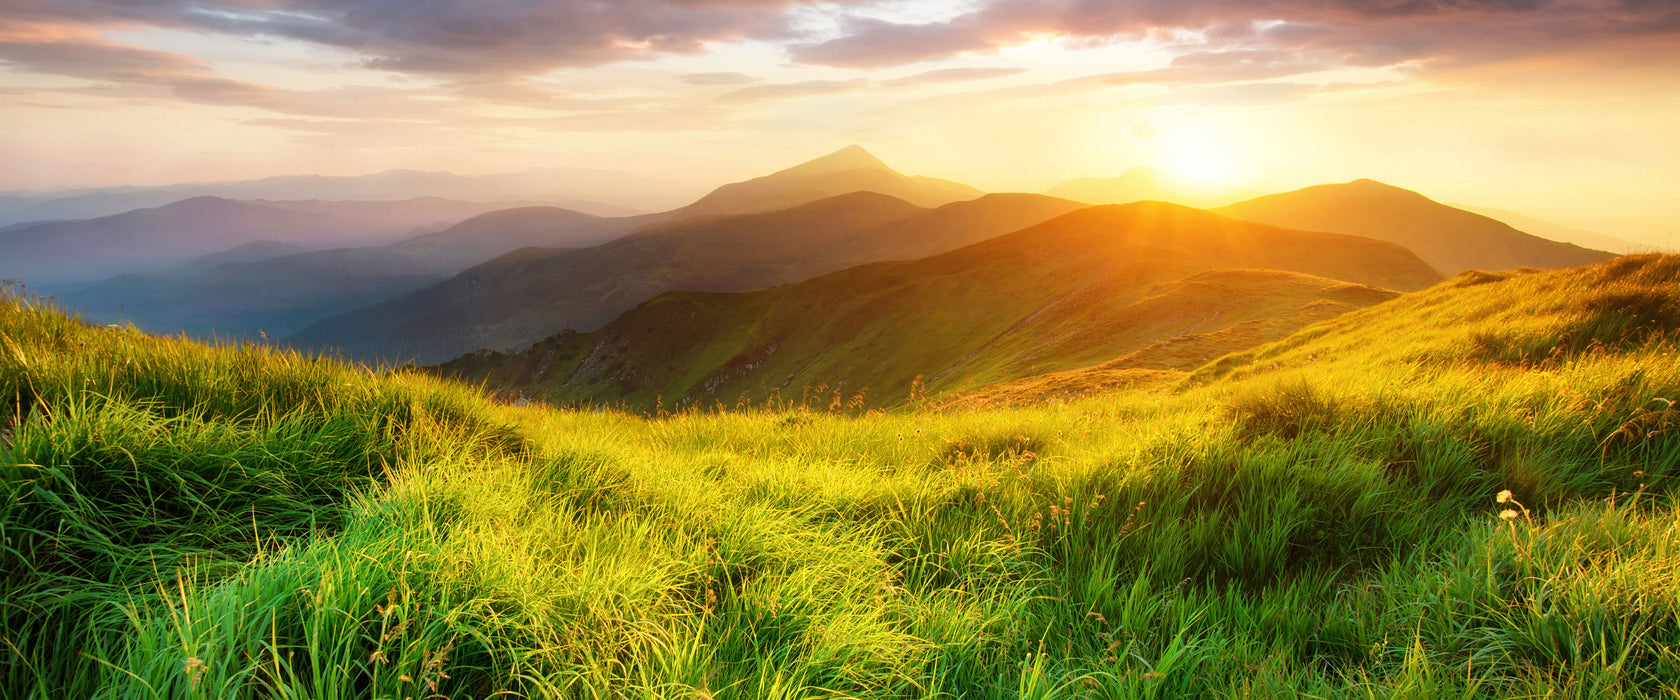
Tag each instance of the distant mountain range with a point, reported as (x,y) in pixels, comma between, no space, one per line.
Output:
(1559,232)
(285,292)
(1143,184)
(1453,240)
(146,240)
(429,280)
(572,188)
(850,169)
(239,292)
(522,297)
(1080,289)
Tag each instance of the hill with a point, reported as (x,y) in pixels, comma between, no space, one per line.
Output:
(850,169)
(1148,184)
(1558,232)
(1465,492)
(1453,240)
(523,297)
(571,188)
(281,294)
(247,253)
(148,240)
(1077,290)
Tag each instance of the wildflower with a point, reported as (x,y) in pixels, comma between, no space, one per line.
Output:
(1505,496)
(1507,514)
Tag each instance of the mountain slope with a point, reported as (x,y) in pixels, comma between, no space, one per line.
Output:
(522,298)
(282,294)
(1148,184)
(169,236)
(1557,232)
(850,169)
(1453,240)
(246,253)
(1077,290)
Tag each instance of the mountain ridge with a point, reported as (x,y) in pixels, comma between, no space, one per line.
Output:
(159,238)
(1451,239)
(516,301)
(1049,297)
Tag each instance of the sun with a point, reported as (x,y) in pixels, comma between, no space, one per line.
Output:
(1196,156)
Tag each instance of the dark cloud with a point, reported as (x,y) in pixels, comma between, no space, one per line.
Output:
(780,91)
(1345,32)
(953,75)
(504,40)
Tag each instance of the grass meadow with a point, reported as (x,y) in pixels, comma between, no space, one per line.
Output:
(1464,492)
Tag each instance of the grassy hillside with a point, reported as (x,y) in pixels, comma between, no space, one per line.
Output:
(1079,290)
(1463,492)
(519,299)
(283,294)
(1453,240)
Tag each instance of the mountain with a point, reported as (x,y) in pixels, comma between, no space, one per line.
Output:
(244,290)
(246,253)
(147,240)
(1558,232)
(1148,184)
(1453,240)
(572,188)
(850,169)
(1081,289)
(525,296)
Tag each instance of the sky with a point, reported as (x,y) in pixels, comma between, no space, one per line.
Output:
(1563,109)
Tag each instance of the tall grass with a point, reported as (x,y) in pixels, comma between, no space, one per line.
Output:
(1317,517)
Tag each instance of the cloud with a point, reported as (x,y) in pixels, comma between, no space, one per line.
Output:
(873,43)
(1223,67)
(1339,32)
(79,52)
(718,79)
(480,37)
(782,91)
(953,75)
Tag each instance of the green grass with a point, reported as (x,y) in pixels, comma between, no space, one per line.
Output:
(1314,517)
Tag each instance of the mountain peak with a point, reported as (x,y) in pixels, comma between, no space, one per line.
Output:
(853,157)
(1368,184)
